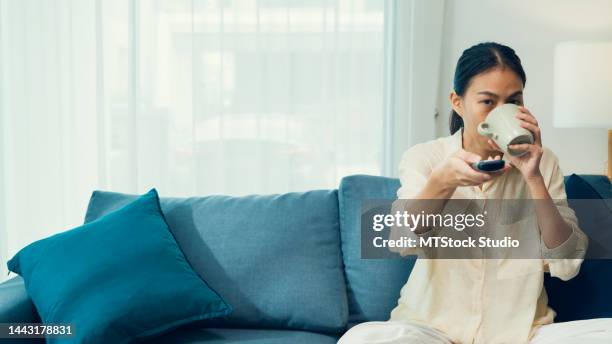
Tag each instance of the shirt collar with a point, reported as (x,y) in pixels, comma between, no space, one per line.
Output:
(454,142)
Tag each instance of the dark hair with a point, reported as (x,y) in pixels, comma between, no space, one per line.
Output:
(478,59)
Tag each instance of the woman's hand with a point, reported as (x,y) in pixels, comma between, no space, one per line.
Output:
(529,163)
(456,171)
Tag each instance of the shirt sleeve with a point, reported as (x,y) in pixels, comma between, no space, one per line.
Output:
(564,260)
(414,170)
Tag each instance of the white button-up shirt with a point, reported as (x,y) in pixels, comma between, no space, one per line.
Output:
(483,300)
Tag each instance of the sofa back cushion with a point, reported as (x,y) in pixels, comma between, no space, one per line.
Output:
(276,258)
(588,294)
(373,285)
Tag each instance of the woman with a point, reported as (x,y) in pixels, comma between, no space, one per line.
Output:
(485,300)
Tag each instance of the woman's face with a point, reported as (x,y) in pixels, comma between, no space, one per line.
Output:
(486,91)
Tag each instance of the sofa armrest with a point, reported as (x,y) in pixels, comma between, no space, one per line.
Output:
(15,304)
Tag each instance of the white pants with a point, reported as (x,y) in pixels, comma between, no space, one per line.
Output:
(593,331)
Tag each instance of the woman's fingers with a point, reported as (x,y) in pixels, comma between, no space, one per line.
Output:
(531,127)
(537,133)
(468,156)
(525,110)
(505,169)
(467,175)
(493,145)
(521,146)
(473,177)
(527,116)
(507,166)
(532,148)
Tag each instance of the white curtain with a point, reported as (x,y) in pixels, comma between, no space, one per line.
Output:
(192,97)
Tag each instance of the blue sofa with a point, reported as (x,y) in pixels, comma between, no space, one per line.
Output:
(290,264)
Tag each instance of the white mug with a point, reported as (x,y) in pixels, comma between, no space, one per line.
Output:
(505,129)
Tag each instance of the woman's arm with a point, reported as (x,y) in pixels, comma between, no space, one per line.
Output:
(428,190)
(444,180)
(564,244)
(563,256)
(555,231)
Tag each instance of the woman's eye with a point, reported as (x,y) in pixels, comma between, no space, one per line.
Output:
(516,101)
(487,102)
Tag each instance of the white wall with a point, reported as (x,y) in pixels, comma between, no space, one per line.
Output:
(531,28)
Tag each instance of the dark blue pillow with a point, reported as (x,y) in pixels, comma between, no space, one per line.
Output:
(588,186)
(118,279)
(588,294)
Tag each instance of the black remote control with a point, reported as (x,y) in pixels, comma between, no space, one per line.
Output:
(489,165)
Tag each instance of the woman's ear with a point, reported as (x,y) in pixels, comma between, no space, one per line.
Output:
(455,101)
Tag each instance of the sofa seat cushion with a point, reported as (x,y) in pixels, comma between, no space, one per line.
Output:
(15,304)
(275,258)
(237,335)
